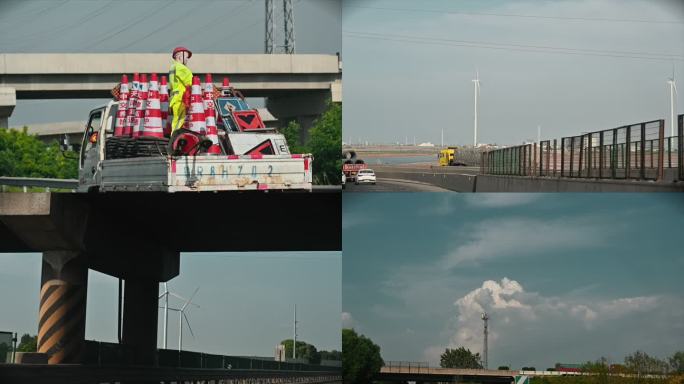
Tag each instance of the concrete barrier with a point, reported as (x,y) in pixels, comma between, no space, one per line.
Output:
(496,183)
(499,183)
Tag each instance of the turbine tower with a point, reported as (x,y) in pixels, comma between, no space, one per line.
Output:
(476,81)
(485,318)
(673,95)
(269,35)
(294,339)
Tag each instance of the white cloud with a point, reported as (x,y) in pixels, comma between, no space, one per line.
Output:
(493,239)
(347,320)
(520,319)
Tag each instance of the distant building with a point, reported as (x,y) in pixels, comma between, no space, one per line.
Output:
(280,352)
(428,144)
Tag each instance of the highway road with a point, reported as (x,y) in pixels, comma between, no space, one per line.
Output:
(394,185)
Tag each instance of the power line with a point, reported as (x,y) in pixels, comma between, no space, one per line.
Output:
(55,31)
(518,15)
(602,51)
(164,26)
(130,24)
(506,47)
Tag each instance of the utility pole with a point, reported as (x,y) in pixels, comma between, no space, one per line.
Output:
(485,318)
(294,339)
(476,81)
(442,143)
(288,15)
(538,133)
(269,35)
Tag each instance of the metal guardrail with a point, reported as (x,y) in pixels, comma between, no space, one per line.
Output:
(637,151)
(412,366)
(39,182)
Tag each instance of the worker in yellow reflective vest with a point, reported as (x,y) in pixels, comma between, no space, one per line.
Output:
(180,77)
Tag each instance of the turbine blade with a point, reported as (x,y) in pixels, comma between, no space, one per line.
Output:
(190,299)
(188,323)
(182,298)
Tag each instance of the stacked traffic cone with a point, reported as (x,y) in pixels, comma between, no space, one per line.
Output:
(225,89)
(164,100)
(132,102)
(138,125)
(123,105)
(197,121)
(153,115)
(210,117)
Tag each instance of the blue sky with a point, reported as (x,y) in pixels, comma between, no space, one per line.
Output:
(394,89)
(149,26)
(246,300)
(565,277)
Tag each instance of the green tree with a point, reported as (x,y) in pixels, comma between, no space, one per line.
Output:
(28,343)
(641,363)
(677,362)
(304,351)
(324,143)
(459,358)
(292,134)
(361,358)
(23,155)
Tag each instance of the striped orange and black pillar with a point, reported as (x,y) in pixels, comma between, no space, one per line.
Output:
(61,317)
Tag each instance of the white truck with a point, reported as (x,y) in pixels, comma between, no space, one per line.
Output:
(247,168)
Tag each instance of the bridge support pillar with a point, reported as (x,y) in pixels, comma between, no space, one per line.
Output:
(62,311)
(302,107)
(8,100)
(139,329)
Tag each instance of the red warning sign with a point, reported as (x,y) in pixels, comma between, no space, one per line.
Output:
(248,120)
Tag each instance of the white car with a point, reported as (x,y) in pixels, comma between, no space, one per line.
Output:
(365,176)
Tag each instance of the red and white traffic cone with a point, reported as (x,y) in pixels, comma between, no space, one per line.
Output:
(225,89)
(132,102)
(210,117)
(138,125)
(197,121)
(164,100)
(123,105)
(153,115)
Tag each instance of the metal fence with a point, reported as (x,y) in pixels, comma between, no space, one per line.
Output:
(103,353)
(637,151)
(516,161)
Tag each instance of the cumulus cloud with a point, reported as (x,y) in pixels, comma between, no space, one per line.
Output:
(347,320)
(519,317)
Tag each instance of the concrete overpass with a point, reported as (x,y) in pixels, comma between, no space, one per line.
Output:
(297,86)
(138,237)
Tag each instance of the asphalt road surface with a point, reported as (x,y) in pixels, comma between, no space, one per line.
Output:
(394,185)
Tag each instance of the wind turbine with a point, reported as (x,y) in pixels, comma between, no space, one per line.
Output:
(165,296)
(476,81)
(673,94)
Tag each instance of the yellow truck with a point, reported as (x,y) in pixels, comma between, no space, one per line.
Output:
(448,157)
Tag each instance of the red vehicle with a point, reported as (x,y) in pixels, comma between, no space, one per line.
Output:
(350,170)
